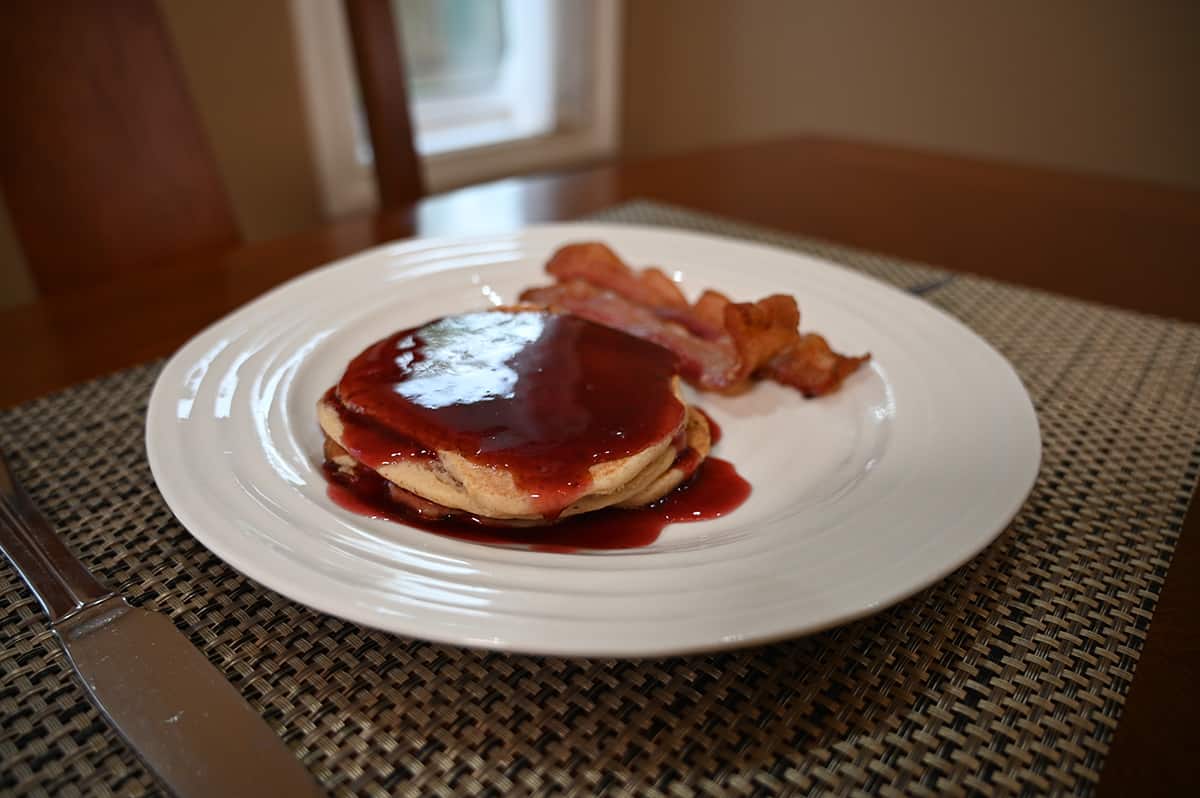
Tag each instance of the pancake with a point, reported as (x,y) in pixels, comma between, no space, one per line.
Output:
(517,417)
(641,492)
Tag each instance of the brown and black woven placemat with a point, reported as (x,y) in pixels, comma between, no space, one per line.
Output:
(1008,676)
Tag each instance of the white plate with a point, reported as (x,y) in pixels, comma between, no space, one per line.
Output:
(859,499)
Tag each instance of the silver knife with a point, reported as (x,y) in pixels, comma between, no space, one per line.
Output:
(189,725)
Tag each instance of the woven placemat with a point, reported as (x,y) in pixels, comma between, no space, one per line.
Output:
(1007,676)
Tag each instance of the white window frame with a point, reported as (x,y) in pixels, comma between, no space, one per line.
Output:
(329,88)
(522,102)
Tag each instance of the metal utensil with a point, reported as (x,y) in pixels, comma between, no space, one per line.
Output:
(189,725)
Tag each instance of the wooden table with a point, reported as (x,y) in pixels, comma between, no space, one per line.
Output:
(1095,238)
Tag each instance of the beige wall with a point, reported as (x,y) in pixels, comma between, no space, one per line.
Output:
(1110,86)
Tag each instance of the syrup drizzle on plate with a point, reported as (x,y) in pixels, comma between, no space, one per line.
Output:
(716,489)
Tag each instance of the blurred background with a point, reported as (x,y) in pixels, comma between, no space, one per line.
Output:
(508,87)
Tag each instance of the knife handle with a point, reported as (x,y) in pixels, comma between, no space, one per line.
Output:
(61,583)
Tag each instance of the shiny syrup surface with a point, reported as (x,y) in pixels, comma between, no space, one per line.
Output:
(713,491)
(544,396)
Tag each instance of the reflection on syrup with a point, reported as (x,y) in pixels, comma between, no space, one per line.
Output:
(715,490)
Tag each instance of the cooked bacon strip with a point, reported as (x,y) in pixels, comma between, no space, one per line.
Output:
(810,365)
(761,330)
(597,264)
(706,318)
(721,344)
(702,363)
(710,309)
(658,284)
(756,331)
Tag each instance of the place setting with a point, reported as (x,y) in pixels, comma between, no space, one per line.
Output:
(501,398)
(880,508)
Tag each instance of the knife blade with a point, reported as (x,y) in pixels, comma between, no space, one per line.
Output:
(177,712)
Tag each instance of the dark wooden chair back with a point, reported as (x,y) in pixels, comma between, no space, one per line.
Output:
(375,41)
(104,162)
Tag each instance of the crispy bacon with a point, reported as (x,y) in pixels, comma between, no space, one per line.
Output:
(707,364)
(710,309)
(598,265)
(810,365)
(721,344)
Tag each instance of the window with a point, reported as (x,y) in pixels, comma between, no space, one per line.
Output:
(480,71)
(496,87)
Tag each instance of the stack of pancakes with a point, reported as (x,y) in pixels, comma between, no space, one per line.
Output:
(513,417)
